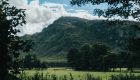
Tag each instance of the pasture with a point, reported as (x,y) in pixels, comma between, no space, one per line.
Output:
(79,75)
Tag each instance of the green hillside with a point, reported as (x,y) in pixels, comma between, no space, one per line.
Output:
(69,32)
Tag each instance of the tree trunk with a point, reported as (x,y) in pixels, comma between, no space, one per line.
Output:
(120,69)
(3,51)
(113,69)
(3,61)
(131,69)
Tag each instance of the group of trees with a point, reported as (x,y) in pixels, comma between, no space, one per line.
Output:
(88,57)
(99,57)
(31,61)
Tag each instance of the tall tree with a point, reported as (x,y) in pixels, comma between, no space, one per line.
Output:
(98,51)
(72,57)
(110,61)
(10,18)
(123,60)
(87,57)
(84,56)
(134,47)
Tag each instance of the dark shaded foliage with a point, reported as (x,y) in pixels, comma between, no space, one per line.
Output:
(99,57)
(119,8)
(87,57)
(31,61)
(10,18)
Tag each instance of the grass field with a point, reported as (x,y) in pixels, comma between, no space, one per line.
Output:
(76,74)
(52,59)
(48,58)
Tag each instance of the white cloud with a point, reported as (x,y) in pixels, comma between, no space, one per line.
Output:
(40,16)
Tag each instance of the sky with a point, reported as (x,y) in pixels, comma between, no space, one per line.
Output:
(88,7)
(41,13)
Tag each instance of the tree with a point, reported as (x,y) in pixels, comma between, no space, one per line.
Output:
(123,60)
(134,45)
(84,56)
(110,61)
(72,56)
(31,61)
(87,57)
(10,18)
(134,48)
(98,51)
(79,58)
(116,8)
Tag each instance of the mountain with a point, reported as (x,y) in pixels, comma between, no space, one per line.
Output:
(69,32)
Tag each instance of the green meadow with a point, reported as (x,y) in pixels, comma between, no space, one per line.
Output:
(79,75)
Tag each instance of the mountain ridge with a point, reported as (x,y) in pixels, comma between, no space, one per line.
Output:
(70,32)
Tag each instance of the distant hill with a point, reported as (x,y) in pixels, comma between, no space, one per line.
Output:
(69,32)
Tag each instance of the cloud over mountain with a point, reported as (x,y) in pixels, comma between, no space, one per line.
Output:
(39,16)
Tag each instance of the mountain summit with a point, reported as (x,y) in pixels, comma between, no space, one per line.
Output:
(69,32)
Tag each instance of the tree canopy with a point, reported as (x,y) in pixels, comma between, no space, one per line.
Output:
(116,8)
(10,44)
(87,57)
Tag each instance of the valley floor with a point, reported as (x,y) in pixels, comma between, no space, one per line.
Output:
(76,74)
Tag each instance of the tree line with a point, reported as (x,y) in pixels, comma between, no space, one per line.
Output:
(31,61)
(101,58)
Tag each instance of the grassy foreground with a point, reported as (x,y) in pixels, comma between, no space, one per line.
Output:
(79,75)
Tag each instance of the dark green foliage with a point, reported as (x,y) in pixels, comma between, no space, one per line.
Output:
(87,57)
(119,8)
(100,58)
(96,56)
(10,18)
(124,59)
(134,45)
(124,77)
(100,49)
(72,56)
(110,61)
(15,47)
(134,48)
(31,61)
(84,57)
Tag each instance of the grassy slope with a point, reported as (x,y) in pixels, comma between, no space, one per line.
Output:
(48,58)
(52,59)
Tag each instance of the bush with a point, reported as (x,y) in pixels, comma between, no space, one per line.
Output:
(41,76)
(124,77)
(91,77)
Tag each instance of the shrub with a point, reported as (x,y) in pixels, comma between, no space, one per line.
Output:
(124,77)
